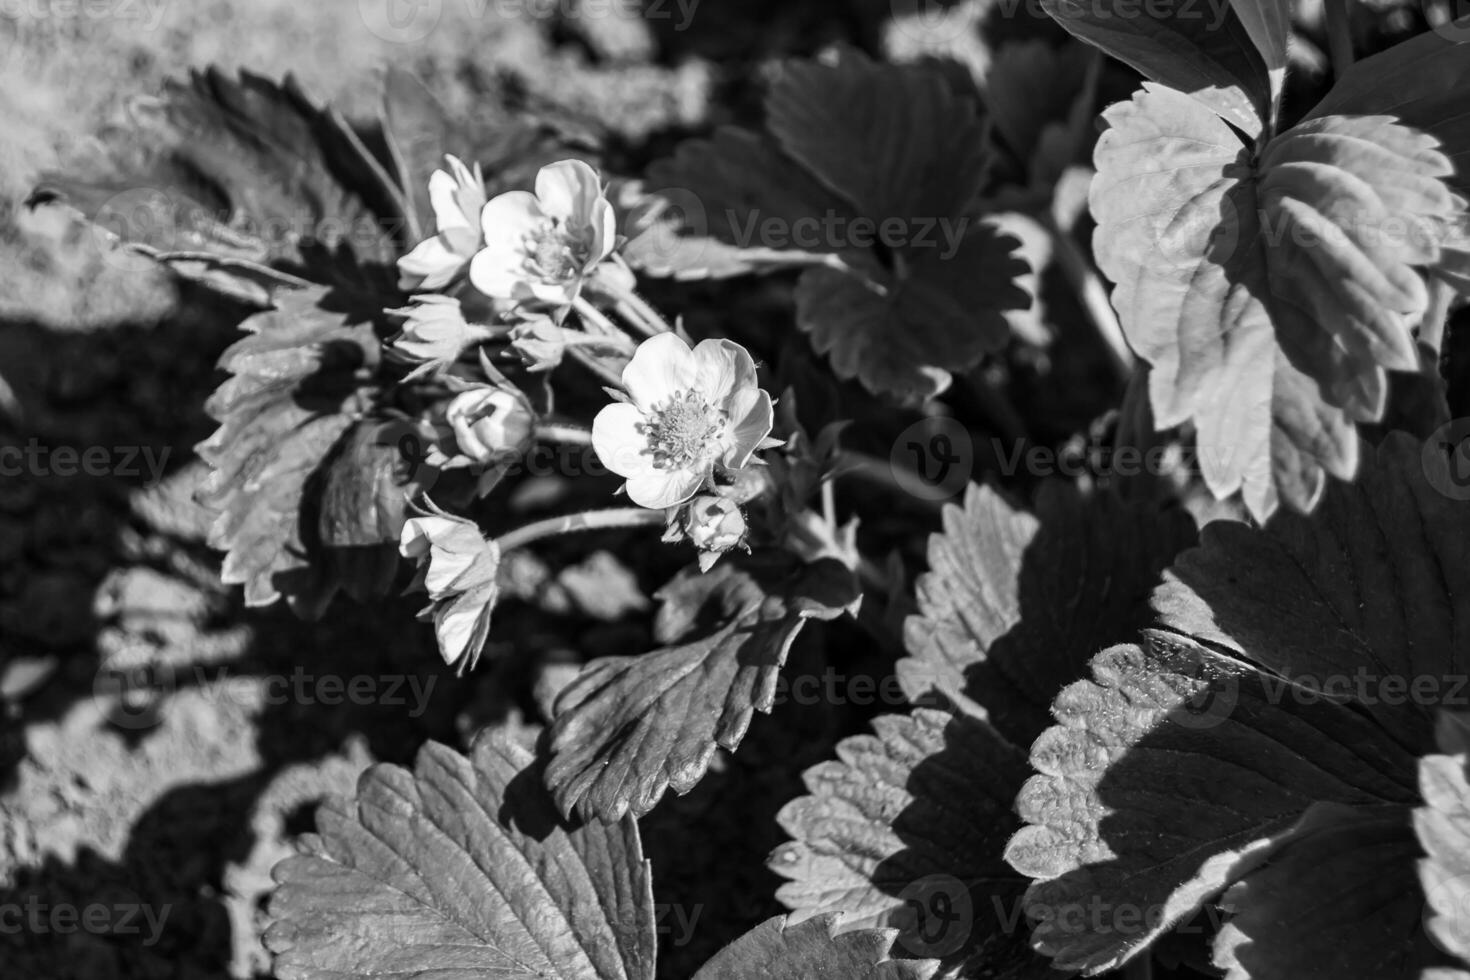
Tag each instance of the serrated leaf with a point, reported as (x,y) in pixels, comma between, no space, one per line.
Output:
(779,949)
(1279,679)
(1422,83)
(1269,296)
(905,829)
(1365,929)
(244,169)
(871,172)
(1442,826)
(891,140)
(1209,56)
(906,335)
(360,506)
(736,190)
(1014,604)
(462,870)
(629,728)
(294,388)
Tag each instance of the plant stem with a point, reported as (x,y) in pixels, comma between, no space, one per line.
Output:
(594,317)
(878,473)
(591,520)
(1339,35)
(1431,330)
(1093,295)
(596,366)
(572,435)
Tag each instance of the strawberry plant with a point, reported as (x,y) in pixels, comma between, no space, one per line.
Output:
(1098,397)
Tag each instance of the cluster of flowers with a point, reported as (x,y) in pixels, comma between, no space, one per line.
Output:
(539,275)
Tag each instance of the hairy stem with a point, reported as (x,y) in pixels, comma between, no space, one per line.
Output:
(591,520)
(571,435)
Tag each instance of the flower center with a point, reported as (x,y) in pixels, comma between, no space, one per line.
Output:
(684,431)
(555,255)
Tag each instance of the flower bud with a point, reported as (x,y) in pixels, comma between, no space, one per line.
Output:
(714,523)
(491,423)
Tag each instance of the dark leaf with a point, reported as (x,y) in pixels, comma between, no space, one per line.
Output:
(1282,703)
(629,728)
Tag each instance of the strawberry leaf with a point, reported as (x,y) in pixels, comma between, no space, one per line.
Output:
(871,172)
(1422,83)
(1014,603)
(779,949)
(891,140)
(1269,295)
(1212,59)
(906,336)
(297,382)
(629,728)
(461,870)
(1442,826)
(244,169)
(1366,930)
(1269,711)
(905,830)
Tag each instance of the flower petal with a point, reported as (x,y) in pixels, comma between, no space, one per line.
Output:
(555,293)
(658,489)
(497,272)
(569,190)
(661,367)
(510,217)
(604,223)
(431,265)
(617,441)
(725,368)
(462,624)
(752,417)
(443,195)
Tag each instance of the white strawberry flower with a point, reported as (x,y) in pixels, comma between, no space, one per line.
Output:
(458,197)
(685,412)
(458,568)
(543,246)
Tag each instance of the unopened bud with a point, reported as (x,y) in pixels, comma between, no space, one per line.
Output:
(714,523)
